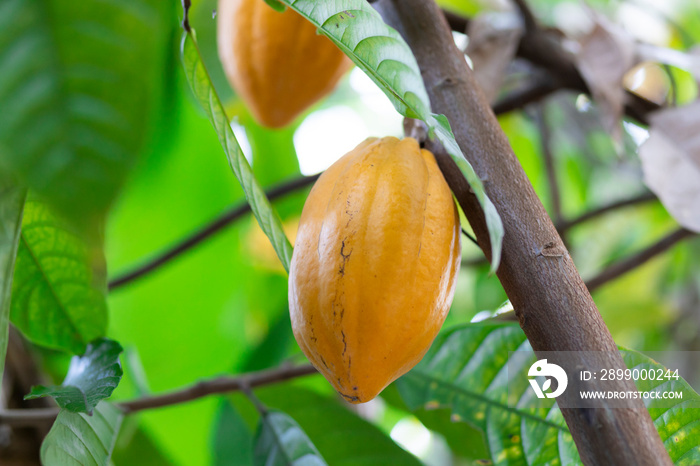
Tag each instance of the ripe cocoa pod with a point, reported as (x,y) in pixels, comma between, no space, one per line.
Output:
(275,61)
(374,266)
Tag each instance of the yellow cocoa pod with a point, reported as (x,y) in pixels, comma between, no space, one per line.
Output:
(374,266)
(275,61)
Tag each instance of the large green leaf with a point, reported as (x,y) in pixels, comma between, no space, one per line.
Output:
(281,442)
(91,378)
(77,439)
(358,30)
(464,439)
(77,88)
(59,287)
(206,95)
(232,441)
(466,370)
(343,438)
(136,446)
(11,208)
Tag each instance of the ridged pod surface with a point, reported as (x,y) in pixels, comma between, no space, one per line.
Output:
(275,61)
(374,266)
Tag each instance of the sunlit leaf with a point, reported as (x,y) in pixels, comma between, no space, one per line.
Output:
(206,95)
(77,439)
(466,370)
(76,90)
(59,288)
(281,442)
(91,378)
(358,30)
(11,207)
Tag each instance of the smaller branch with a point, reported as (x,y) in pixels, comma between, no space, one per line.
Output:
(529,19)
(457,22)
(25,417)
(474,262)
(534,91)
(259,406)
(208,230)
(565,225)
(545,137)
(638,259)
(186,4)
(543,48)
(220,385)
(28,417)
(471,238)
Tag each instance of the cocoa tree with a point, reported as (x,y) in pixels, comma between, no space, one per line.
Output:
(78,113)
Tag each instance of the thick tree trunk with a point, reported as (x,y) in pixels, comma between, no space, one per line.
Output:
(554,307)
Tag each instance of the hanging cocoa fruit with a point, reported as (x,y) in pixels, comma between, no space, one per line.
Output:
(374,266)
(275,61)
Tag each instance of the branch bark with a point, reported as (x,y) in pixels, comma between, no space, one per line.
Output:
(566,225)
(552,304)
(534,91)
(634,261)
(207,231)
(549,163)
(29,417)
(543,48)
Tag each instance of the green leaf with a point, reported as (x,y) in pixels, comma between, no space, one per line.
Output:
(11,208)
(280,441)
(359,31)
(440,127)
(276,346)
(276,5)
(466,370)
(136,446)
(77,87)
(678,426)
(77,439)
(232,441)
(91,378)
(59,290)
(203,90)
(342,437)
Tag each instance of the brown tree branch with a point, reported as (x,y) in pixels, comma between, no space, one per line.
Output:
(543,48)
(529,20)
(549,166)
(207,231)
(634,261)
(551,301)
(27,417)
(534,91)
(566,225)
(458,23)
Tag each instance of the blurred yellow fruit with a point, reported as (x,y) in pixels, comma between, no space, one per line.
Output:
(275,61)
